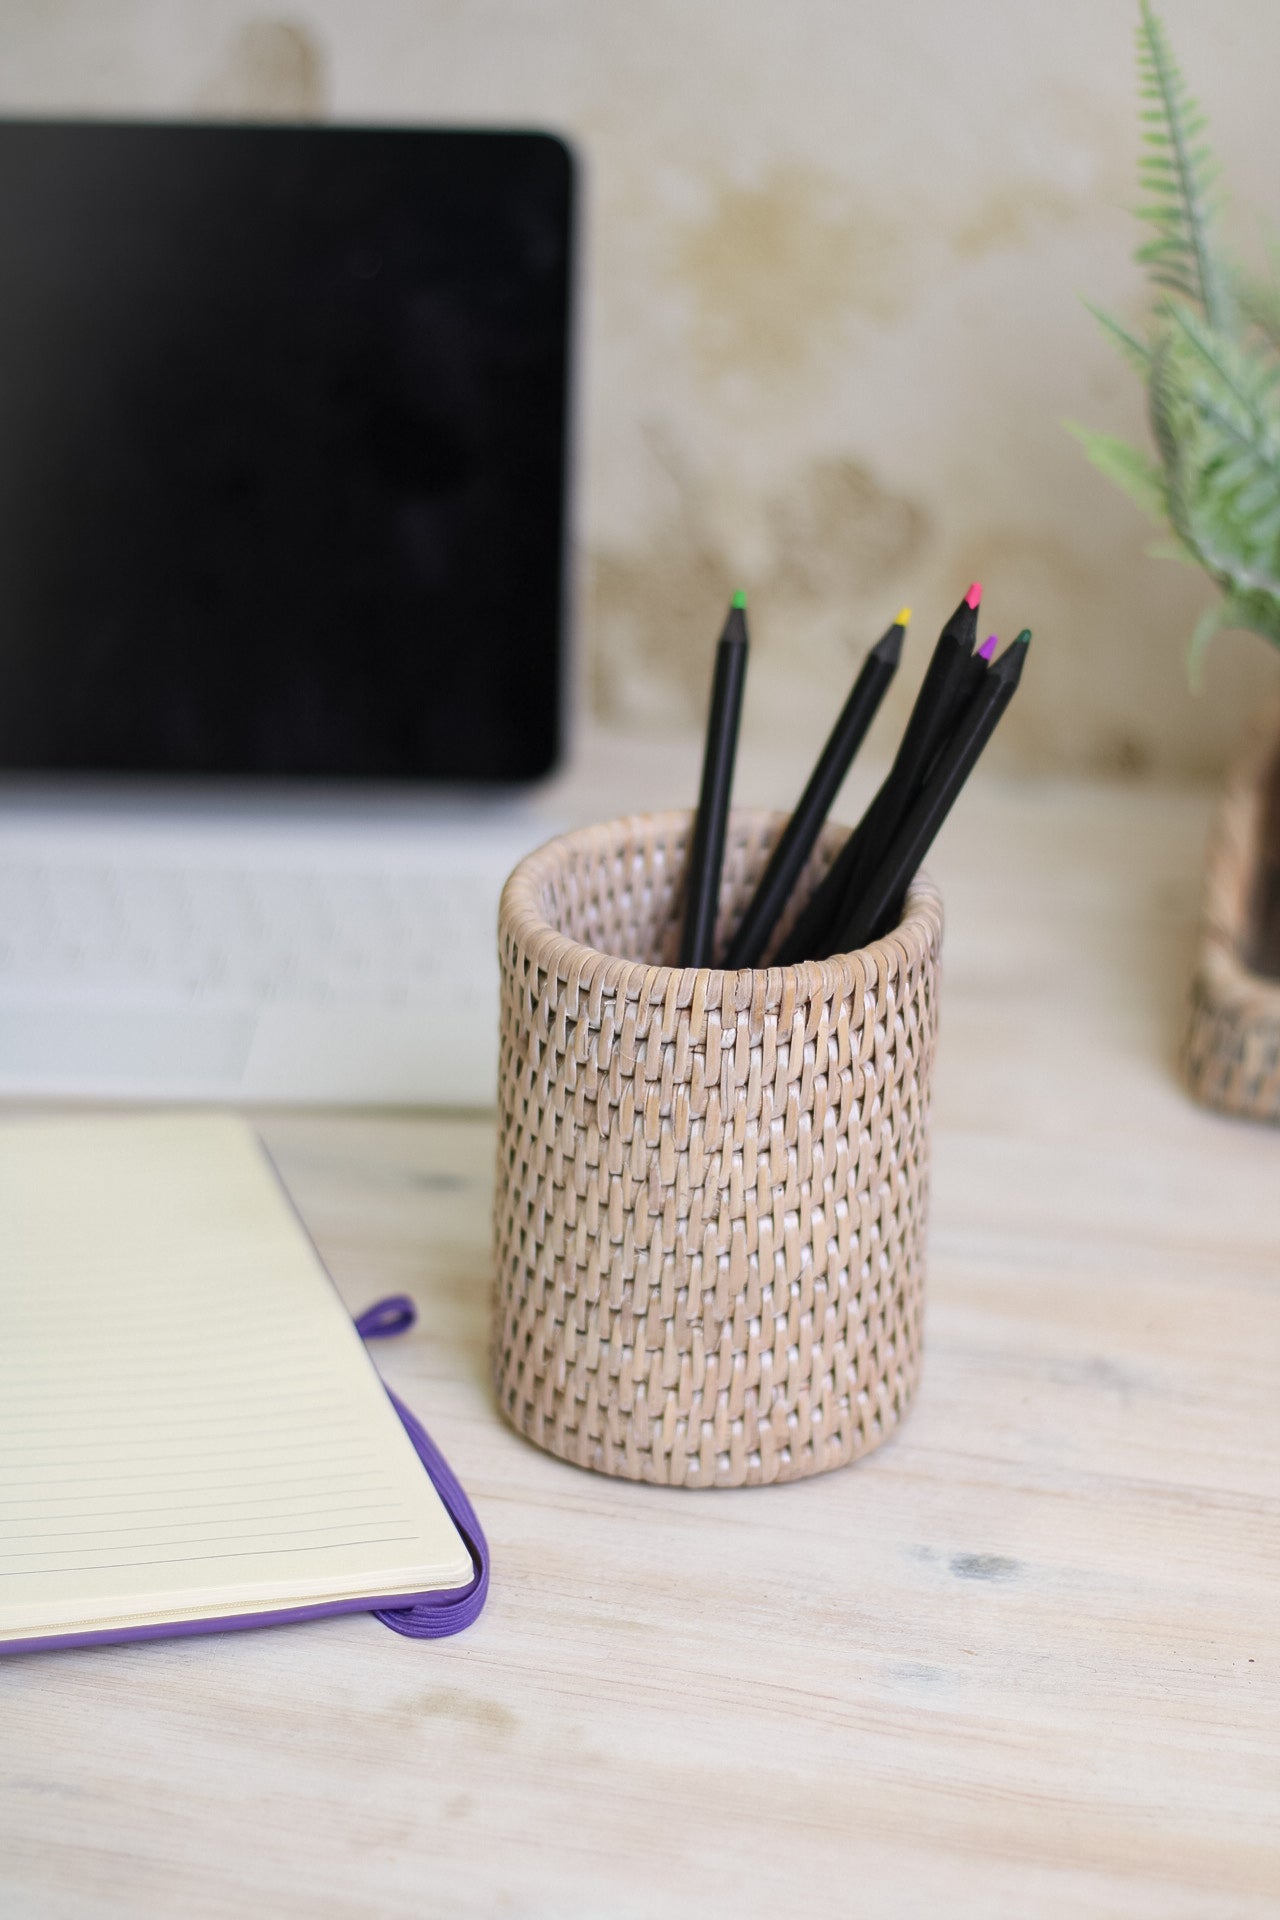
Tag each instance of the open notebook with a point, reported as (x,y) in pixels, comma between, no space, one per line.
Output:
(191,1432)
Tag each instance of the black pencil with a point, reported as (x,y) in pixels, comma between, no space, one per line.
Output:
(934,715)
(706,851)
(747,947)
(972,677)
(931,718)
(897,868)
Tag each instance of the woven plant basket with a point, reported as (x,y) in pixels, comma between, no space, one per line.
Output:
(1232,1052)
(711,1186)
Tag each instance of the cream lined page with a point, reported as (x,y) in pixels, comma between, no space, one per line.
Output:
(189,1423)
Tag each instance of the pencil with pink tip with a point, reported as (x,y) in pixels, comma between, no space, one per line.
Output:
(932,717)
(880,900)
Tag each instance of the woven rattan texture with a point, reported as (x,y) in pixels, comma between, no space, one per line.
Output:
(711,1187)
(1231,1057)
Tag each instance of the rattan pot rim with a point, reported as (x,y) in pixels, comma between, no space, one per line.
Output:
(522,918)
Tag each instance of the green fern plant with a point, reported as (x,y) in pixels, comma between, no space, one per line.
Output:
(1211,366)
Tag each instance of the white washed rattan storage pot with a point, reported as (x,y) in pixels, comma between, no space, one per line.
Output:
(711,1186)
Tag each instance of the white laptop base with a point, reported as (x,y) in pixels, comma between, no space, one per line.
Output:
(340,953)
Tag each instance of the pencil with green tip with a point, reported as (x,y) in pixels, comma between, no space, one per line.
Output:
(885,889)
(750,941)
(706,852)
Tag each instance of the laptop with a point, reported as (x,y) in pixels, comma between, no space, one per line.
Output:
(283,512)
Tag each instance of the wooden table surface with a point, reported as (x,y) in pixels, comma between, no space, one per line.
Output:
(1024,1662)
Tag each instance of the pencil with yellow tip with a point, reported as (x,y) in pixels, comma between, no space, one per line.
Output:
(750,942)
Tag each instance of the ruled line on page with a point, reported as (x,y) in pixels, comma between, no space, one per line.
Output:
(230,1318)
(237,1366)
(326,1480)
(187,1473)
(107,1450)
(287,1503)
(194,1539)
(196,1559)
(285,1421)
(55,1399)
(166,1526)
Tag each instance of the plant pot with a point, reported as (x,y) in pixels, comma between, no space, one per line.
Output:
(1232,1052)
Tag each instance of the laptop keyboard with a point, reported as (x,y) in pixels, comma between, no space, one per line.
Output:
(233,937)
(330,954)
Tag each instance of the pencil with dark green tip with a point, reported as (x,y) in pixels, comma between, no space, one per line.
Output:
(880,899)
(706,851)
(749,943)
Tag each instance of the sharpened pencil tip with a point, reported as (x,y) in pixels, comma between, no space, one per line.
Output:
(740,600)
(902,617)
(988,647)
(1009,664)
(889,645)
(974,594)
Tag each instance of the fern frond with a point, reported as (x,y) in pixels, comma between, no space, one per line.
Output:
(1211,621)
(1130,346)
(1203,495)
(1173,549)
(1129,468)
(1211,366)
(1236,390)
(1259,302)
(1248,615)
(1177,172)
(1165,405)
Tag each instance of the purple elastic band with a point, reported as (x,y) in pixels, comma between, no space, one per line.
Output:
(438,1614)
(395,1314)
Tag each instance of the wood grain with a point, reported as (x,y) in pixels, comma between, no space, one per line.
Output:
(1025,1661)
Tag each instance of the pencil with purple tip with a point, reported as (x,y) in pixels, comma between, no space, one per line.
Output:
(881,899)
(972,677)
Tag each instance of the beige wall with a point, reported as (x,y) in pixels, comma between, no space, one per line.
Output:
(831,322)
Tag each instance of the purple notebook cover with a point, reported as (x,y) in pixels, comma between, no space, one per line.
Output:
(422,1616)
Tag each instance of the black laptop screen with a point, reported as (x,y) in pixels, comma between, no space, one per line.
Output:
(282,450)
